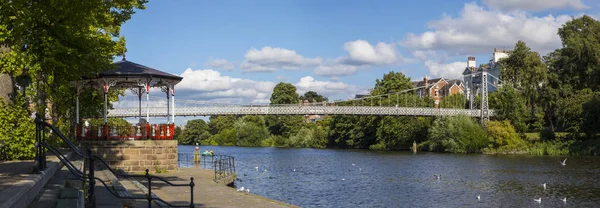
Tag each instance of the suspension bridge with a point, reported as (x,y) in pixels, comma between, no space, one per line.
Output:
(402,103)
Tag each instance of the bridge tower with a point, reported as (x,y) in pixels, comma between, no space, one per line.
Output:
(484,97)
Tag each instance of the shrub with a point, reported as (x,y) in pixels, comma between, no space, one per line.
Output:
(459,134)
(504,139)
(17,131)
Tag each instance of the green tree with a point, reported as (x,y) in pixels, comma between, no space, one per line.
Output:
(504,139)
(313,96)
(397,133)
(217,124)
(580,55)
(195,131)
(284,93)
(509,105)
(458,134)
(47,44)
(526,72)
(251,130)
(177,133)
(390,83)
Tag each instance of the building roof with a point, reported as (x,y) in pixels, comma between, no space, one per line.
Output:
(128,68)
(422,83)
(129,74)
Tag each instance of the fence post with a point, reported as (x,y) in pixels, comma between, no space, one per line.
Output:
(192,192)
(149,189)
(91,178)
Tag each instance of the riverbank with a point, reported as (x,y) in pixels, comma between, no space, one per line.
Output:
(208,193)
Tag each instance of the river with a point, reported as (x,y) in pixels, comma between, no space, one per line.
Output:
(362,178)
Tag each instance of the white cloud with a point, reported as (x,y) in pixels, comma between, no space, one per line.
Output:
(361,55)
(361,52)
(270,59)
(221,64)
(534,5)
(450,71)
(336,69)
(478,30)
(425,54)
(210,85)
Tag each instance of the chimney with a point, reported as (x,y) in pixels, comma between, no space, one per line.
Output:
(471,61)
(426,81)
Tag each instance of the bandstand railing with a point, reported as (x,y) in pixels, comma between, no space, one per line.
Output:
(126,132)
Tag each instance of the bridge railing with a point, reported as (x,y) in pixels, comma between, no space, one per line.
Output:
(307,110)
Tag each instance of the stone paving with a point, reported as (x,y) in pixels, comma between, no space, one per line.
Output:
(206,192)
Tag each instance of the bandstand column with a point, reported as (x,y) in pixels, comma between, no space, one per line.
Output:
(173,104)
(147,102)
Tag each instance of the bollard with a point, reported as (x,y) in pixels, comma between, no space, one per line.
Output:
(414,147)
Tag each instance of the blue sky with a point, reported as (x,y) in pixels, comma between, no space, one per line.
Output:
(236,51)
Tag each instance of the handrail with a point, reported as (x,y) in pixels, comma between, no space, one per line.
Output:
(40,144)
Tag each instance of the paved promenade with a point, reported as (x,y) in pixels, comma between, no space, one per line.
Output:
(206,192)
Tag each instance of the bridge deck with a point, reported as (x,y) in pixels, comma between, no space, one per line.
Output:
(297,110)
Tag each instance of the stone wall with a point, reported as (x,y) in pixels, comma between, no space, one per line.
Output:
(137,156)
(6,87)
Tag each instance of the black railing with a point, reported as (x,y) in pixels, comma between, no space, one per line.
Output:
(222,165)
(41,147)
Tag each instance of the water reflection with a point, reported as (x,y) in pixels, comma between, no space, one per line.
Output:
(398,179)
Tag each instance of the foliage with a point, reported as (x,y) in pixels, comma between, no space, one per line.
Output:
(579,61)
(195,131)
(251,130)
(555,147)
(590,117)
(313,96)
(284,93)
(509,105)
(454,101)
(390,83)
(527,73)
(17,131)
(226,137)
(504,139)
(217,124)
(458,134)
(177,133)
(396,133)
(570,110)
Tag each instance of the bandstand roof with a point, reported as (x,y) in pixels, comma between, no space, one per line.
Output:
(129,74)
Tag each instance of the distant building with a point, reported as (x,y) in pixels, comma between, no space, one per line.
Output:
(438,88)
(492,68)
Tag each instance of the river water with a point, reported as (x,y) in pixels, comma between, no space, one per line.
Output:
(362,178)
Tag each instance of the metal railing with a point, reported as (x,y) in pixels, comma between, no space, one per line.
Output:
(41,146)
(222,165)
(125,132)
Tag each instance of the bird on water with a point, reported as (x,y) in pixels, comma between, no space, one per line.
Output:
(538,200)
(478,197)
(564,162)
(544,185)
(437,177)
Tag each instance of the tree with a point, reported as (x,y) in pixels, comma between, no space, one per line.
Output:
(195,131)
(251,130)
(313,96)
(284,93)
(509,105)
(396,133)
(47,44)
(217,124)
(525,71)
(458,134)
(504,139)
(390,83)
(581,53)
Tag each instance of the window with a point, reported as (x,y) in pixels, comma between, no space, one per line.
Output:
(436,92)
